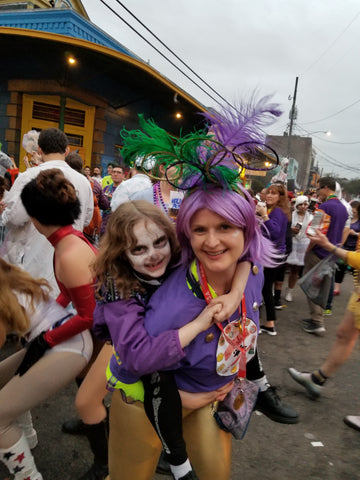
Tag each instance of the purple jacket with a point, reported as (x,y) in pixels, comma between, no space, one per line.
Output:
(122,322)
(275,228)
(157,348)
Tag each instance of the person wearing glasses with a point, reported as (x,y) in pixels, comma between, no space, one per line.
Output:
(334,216)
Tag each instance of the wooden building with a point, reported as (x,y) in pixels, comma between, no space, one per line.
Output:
(59,70)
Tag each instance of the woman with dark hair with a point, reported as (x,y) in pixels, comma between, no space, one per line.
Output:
(275,215)
(58,343)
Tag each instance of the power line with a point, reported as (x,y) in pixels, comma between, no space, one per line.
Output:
(332,43)
(164,56)
(325,140)
(334,114)
(173,53)
(333,161)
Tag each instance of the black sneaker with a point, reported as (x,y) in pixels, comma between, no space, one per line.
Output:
(190,476)
(163,466)
(309,326)
(269,404)
(96,472)
(269,330)
(278,304)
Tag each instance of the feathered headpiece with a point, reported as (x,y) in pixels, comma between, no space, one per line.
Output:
(241,130)
(234,139)
(30,141)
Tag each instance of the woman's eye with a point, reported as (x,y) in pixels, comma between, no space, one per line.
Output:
(225,226)
(198,230)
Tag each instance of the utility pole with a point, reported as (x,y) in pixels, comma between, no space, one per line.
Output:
(292,116)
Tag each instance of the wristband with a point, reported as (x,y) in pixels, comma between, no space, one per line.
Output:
(333,250)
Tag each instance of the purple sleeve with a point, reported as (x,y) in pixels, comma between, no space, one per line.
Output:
(275,224)
(139,352)
(102,199)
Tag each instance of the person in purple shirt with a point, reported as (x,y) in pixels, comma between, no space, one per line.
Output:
(350,245)
(336,216)
(216,229)
(275,215)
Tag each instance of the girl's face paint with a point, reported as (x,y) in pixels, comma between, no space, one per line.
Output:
(151,254)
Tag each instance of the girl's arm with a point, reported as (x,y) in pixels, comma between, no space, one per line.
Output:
(231,301)
(141,353)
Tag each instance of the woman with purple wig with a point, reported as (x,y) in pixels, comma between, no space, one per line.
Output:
(217,229)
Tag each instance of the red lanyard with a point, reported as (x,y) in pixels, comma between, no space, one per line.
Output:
(208,296)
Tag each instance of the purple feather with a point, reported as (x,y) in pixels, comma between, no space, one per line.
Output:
(245,124)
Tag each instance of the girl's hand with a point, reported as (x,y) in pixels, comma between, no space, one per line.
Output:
(207,317)
(229,304)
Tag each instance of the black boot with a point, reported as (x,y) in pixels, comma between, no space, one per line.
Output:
(269,403)
(74,426)
(98,438)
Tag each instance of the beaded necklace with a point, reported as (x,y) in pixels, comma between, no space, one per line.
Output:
(158,198)
(355,271)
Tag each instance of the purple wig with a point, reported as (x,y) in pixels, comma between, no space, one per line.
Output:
(236,208)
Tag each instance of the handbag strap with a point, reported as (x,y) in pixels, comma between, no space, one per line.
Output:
(208,296)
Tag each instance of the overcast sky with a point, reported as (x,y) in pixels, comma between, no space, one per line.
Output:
(239,45)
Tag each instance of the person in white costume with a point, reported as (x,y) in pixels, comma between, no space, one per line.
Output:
(24,245)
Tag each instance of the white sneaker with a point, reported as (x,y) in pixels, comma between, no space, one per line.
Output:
(288,296)
(353,421)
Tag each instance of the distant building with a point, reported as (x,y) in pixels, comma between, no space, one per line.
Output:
(60,70)
(300,154)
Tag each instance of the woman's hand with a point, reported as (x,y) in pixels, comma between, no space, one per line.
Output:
(193,401)
(261,210)
(34,351)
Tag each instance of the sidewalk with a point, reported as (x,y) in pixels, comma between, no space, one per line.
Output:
(270,451)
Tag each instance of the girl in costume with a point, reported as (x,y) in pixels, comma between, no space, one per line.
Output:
(57,342)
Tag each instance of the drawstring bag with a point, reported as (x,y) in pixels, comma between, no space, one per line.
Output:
(316,283)
(234,412)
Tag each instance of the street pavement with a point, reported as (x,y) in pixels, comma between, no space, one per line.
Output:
(320,447)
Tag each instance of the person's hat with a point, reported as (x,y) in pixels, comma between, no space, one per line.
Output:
(301,199)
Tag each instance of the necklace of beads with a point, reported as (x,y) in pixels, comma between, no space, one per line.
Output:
(158,198)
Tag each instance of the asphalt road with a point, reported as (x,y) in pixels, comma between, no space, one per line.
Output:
(269,451)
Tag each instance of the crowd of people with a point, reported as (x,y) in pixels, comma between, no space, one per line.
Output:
(148,283)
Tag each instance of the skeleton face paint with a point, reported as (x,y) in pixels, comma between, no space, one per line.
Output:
(151,254)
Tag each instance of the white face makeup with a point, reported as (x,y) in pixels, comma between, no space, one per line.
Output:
(152,252)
